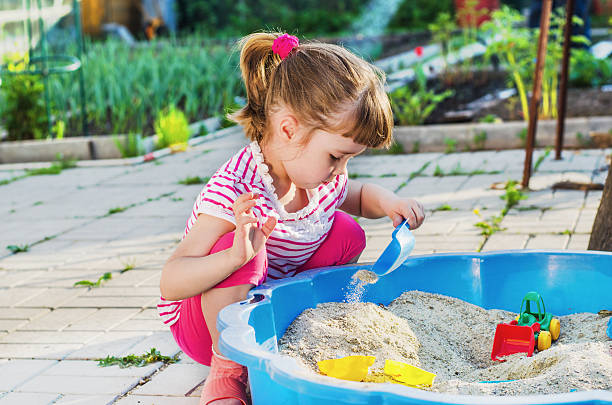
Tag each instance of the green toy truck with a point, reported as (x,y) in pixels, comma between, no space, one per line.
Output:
(529,330)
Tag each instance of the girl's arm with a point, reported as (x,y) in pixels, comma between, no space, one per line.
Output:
(191,270)
(373,201)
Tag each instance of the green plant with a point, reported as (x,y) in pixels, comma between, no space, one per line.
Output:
(412,105)
(490,225)
(116,210)
(480,139)
(396,148)
(194,180)
(133,145)
(443,207)
(522,135)
(23,112)
(588,71)
(171,127)
(389,175)
(469,15)
(152,356)
(58,129)
(451,145)
(18,248)
(441,31)
(585,141)
(438,172)
(128,264)
(566,232)
(87,283)
(416,146)
(541,159)
(512,196)
(420,171)
(490,118)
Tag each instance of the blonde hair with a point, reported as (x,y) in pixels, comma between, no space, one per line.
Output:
(317,81)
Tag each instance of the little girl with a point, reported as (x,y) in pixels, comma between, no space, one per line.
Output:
(282,204)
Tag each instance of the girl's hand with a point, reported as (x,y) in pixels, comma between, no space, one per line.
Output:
(249,239)
(399,209)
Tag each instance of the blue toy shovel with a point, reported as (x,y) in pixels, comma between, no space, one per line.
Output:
(398,250)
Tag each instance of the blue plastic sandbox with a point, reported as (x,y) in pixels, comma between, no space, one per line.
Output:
(570,282)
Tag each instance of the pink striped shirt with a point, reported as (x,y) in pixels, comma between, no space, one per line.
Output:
(296,236)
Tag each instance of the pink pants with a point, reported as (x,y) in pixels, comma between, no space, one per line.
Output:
(344,242)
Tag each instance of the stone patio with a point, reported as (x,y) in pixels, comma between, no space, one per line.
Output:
(51,332)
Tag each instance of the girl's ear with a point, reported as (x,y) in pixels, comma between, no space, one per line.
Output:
(288,126)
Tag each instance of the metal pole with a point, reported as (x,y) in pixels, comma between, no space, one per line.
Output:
(567,38)
(537,90)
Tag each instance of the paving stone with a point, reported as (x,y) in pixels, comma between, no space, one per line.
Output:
(49,337)
(84,385)
(13,398)
(162,341)
(103,319)
(52,297)
(445,243)
(157,400)
(110,302)
(593,200)
(22,313)
(16,372)
(502,241)
(14,278)
(142,324)
(585,221)
(109,344)
(55,351)
(132,278)
(58,319)
(86,399)
(66,279)
(15,296)
(107,291)
(176,379)
(9,325)
(547,242)
(578,242)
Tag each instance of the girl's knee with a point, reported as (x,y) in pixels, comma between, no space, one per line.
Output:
(352,233)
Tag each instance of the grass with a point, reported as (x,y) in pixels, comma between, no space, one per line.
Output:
(18,248)
(153,356)
(541,159)
(444,207)
(87,283)
(194,180)
(116,210)
(128,264)
(459,171)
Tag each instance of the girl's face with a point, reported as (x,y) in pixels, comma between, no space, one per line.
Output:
(324,157)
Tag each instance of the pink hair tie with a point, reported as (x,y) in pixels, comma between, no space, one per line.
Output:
(284,44)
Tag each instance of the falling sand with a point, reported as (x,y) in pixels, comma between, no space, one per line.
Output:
(452,339)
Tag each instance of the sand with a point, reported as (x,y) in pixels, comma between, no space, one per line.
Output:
(453,339)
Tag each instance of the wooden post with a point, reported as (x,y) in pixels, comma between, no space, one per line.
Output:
(537,90)
(562,103)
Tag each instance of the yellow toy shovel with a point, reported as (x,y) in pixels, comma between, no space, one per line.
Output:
(407,374)
(353,368)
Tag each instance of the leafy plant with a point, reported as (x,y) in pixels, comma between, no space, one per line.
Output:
(438,172)
(128,264)
(116,210)
(104,277)
(172,128)
(480,139)
(588,71)
(24,112)
(152,356)
(451,145)
(18,248)
(133,145)
(441,31)
(412,105)
(443,207)
(194,180)
(490,225)
(541,159)
(512,196)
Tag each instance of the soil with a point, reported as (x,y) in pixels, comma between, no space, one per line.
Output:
(581,102)
(452,339)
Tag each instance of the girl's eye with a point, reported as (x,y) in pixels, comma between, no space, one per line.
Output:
(334,158)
